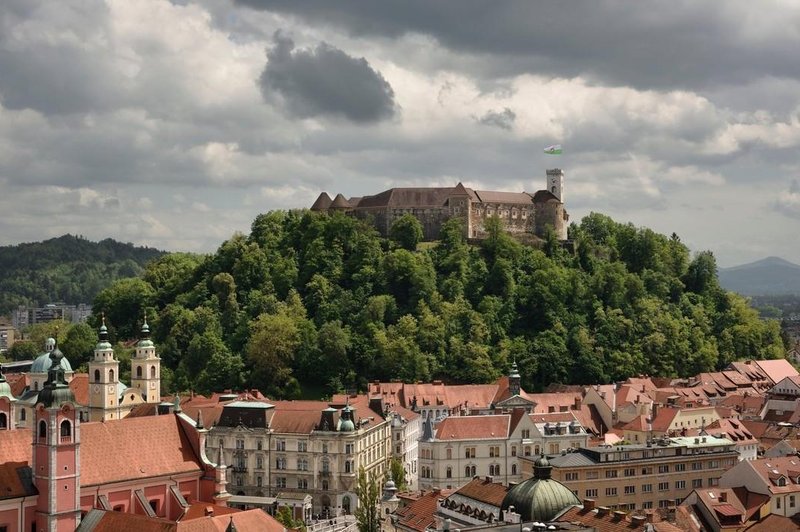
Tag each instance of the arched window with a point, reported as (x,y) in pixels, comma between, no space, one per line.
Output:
(513,469)
(97,375)
(347,466)
(139,371)
(23,415)
(326,466)
(111,375)
(152,372)
(66,430)
(449,473)
(35,385)
(43,429)
(473,471)
(3,420)
(466,471)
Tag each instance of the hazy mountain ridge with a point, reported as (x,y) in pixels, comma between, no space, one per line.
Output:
(768,276)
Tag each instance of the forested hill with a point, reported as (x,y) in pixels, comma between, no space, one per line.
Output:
(68,268)
(325,301)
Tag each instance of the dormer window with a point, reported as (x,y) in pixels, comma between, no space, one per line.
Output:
(781,481)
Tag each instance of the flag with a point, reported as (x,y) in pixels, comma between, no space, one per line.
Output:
(555,149)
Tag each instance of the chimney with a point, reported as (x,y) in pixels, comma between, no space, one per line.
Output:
(619,515)
(650,516)
(638,520)
(723,496)
(588,504)
(602,511)
(209,511)
(578,402)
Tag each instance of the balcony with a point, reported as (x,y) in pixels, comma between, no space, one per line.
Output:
(239,469)
(325,474)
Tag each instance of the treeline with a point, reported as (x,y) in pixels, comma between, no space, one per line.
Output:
(325,301)
(69,268)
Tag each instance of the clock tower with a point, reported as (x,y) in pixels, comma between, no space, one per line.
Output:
(146,367)
(103,380)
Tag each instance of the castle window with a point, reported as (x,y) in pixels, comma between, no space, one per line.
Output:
(3,421)
(97,375)
(66,431)
(524,214)
(139,372)
(42,429)
(514,214)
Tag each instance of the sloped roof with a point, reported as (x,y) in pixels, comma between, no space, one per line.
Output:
(80,388)
(473,427)
(777,369)
(492,196)
(484,490)
(129,449)
(664,418)
(409,197)
(18,382)
(638,424)
(543,196)
(419,514)
(322,203)
(610,522)
(769,469)
(16,445)
(15,480)
(339,202)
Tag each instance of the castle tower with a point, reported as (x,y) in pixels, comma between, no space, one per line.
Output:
(555,183)
(514,380)
(146,367)
(103,380)
(56,453)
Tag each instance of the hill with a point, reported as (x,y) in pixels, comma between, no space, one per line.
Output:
(69,268)
(325,300)
(769,276)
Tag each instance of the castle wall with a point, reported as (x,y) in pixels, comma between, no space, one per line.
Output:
(551,213)
(516,218)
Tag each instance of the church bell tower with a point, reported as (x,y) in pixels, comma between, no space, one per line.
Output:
(103,380)
(146,367)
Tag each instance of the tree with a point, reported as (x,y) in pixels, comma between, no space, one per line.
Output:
(398,472)
(406,232)
(23,350)
(285,517)
(79,343)
(368,492)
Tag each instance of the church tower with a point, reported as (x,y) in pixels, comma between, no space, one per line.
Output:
(56,453)
(514,379)
(555,183)
(146,367)
(103,380)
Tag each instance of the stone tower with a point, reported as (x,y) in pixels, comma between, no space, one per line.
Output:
(103,380)
(555,183)
(56,453)
(146,367)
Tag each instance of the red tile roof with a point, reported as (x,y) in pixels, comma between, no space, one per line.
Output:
(776,370)
(610,522)
(484,490)
(129,449)
(16,445)
(80,388)
(17,382)
(419,514)
(473,427)
(11,485)
(664,418)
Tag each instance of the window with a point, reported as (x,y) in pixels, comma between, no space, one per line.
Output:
(611,492)
(513,469)
(66,431)
(259,462)
(449,453)
(280,463)
(630,490)
(449,472)
(325,485)
(513,450)
(630,472)
(697,466)
(280,482)
(97,375)
(302,483)
(611,473)
(302,446)
(527,450)
(259,445)
(152,372)
(680,484)
(647,471)
(240,444)
(43,429)
(572,475)
(22,414)
(526,434)
(280,445)
(494,470)
(590,493)
(663,486)
(680,467)
(592,475)
(494,452)
(663,468)
(713,464)
(348,466)
(713,481)
(139,372)
(469,452)
(778,502)
(324,448)
(647,488)
(791,501)
(647,505)
(258,481)
(348,448)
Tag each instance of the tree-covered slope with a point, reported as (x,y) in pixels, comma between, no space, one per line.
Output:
(68,268)
(325,301)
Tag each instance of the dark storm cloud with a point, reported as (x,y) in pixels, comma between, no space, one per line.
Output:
(325,81)
(642,44)
(503,119)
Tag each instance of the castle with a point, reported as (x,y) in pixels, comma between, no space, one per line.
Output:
(521,213)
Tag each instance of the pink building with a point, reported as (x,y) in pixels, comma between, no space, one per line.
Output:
(54,473)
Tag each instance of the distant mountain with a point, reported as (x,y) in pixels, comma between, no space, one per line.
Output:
(69,268)
(770,276)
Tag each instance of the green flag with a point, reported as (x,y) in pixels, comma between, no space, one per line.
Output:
(555,149)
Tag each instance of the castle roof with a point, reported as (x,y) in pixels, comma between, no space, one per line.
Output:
(492,196)
(543,196)
(339,202)
(323,202)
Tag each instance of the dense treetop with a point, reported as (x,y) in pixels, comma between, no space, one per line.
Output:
(68,268)
(324,300)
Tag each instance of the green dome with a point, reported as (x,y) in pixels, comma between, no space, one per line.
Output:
(539,498)
(56,391)
(346,423)
(5,389)
(43,362)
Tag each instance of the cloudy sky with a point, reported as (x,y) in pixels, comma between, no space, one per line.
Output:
(173,124)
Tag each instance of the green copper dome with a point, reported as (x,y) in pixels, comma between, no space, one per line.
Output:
(43,362)
(56,392)
(346,423)
(5,388)
(539,498)
(145,340)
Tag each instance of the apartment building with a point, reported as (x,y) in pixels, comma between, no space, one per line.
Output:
(459,448)
(288,449)
(406,431)
(640,477)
